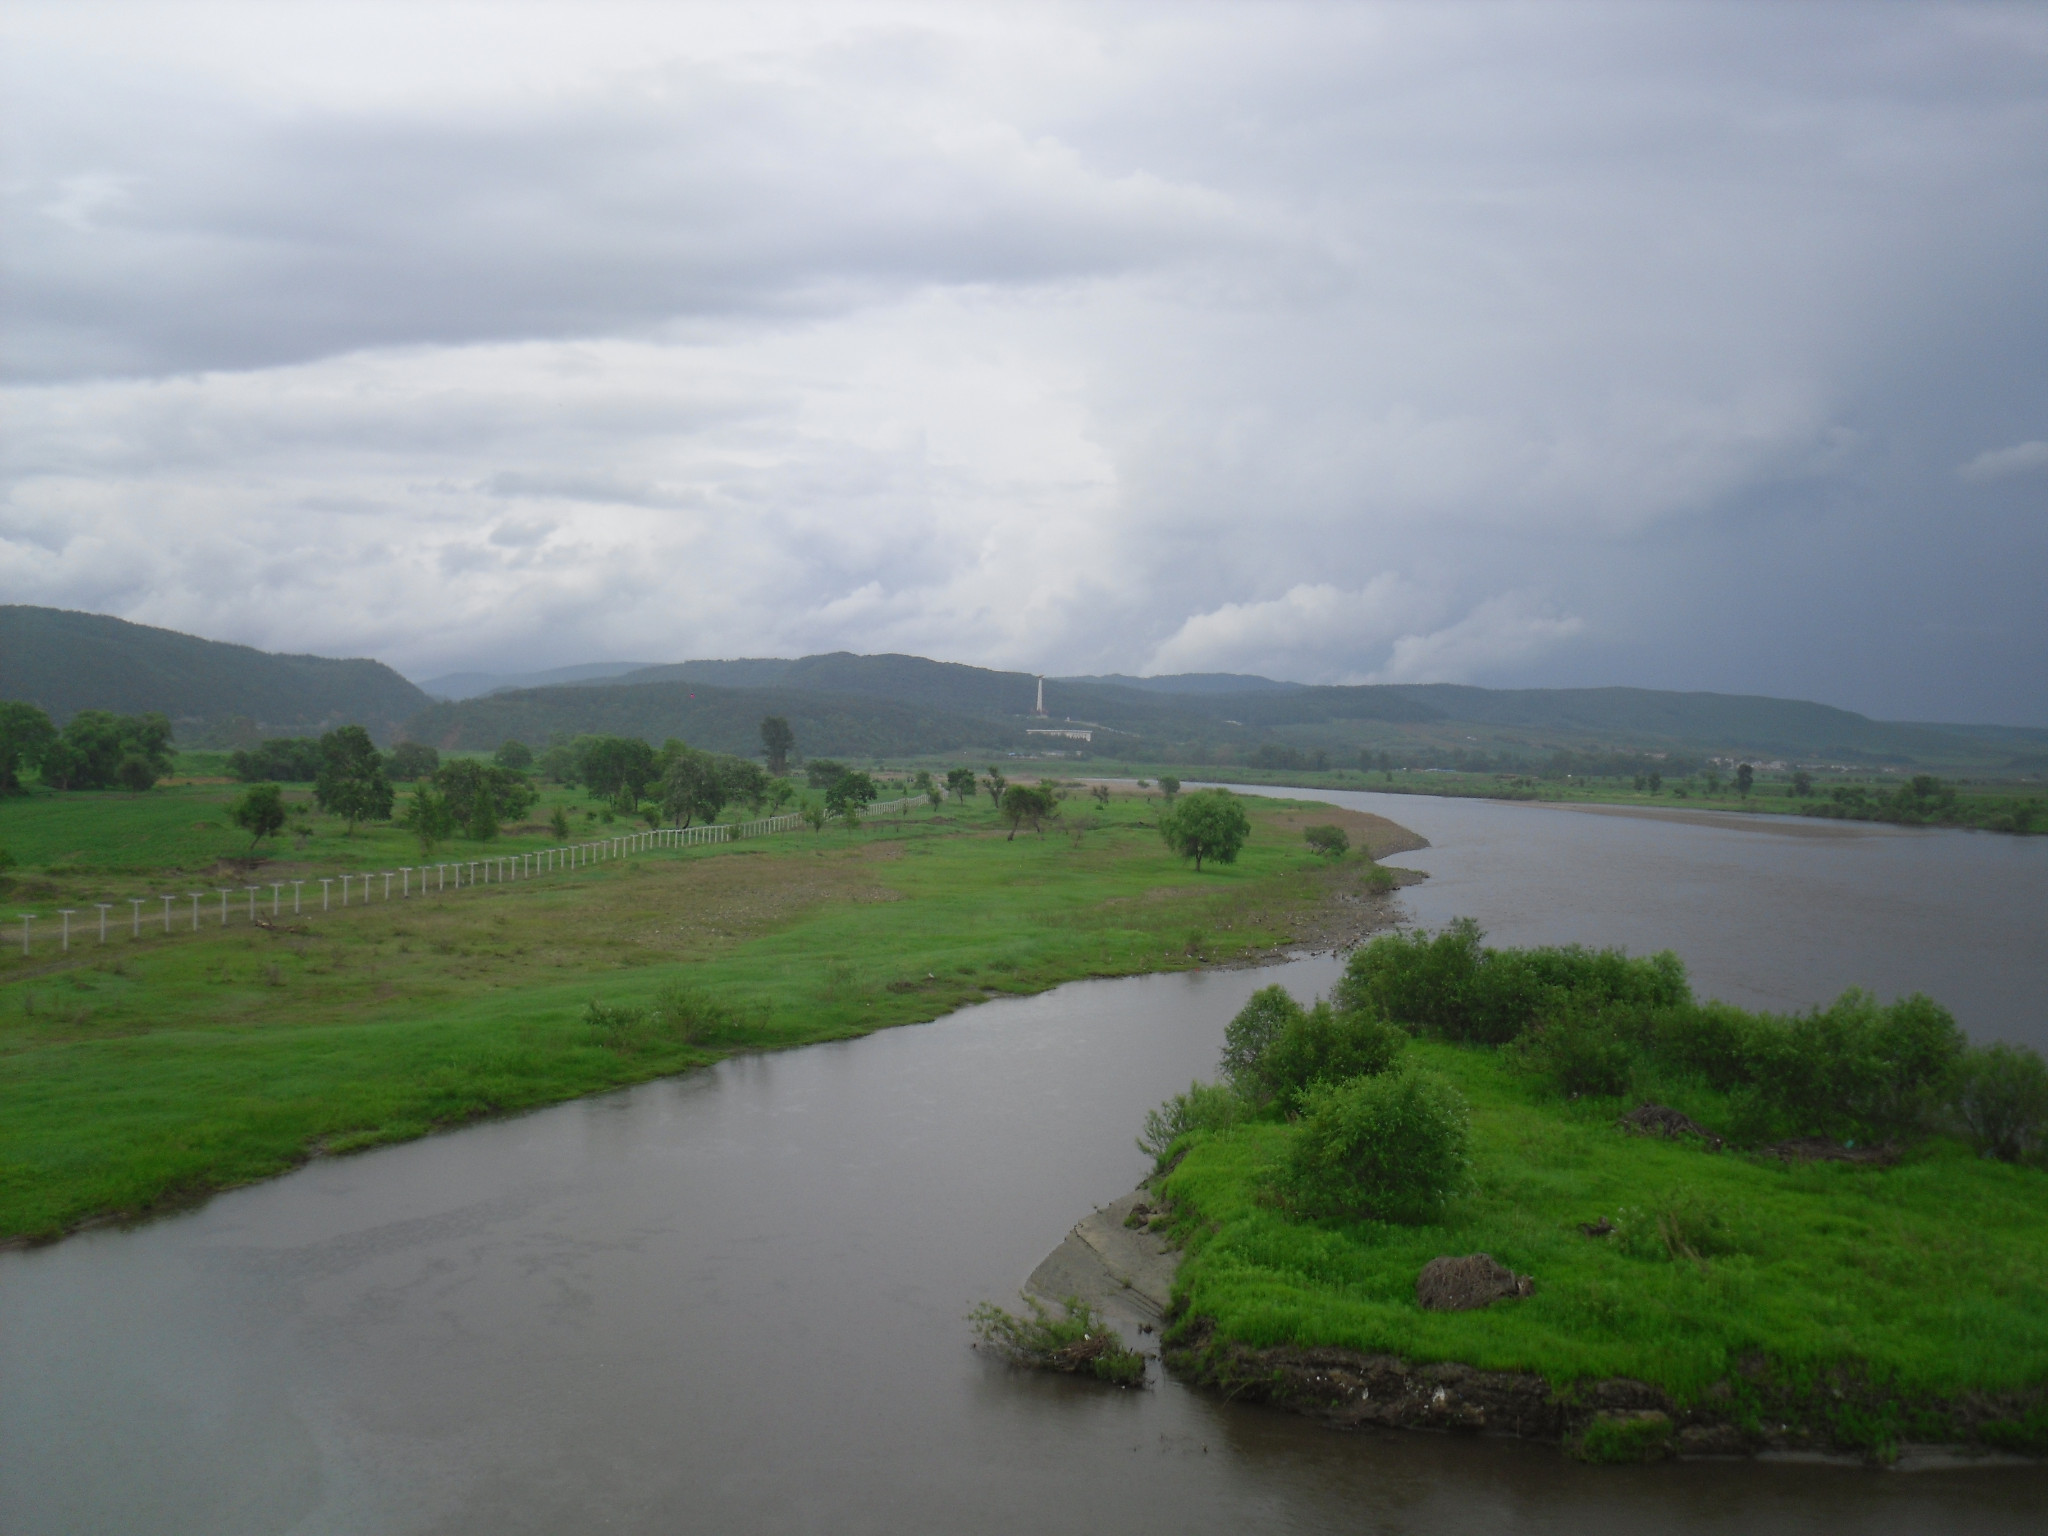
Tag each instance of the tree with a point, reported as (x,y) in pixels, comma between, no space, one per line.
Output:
(850,794)
(352,783)
(1169,786)
(284,759)
(482,821)
(1745,777)
(98,750)
(1209,824)
(1656,782)
(260,812)
(745,782)
(25,734)
(814,816)
(1802,783)
(1022,803)
(411,761)
(777,742)
(821,771)
(464,779)
(513,754)
(996,785)
(692,787)
(780,793)
(617,767)
(961,782)
(1328,840)
(558,824)
(1101,794)
(429,817)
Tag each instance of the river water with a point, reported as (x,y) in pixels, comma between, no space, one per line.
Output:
(733,1302)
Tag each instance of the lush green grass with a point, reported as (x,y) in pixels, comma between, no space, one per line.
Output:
(1927,1277)
(178,1063)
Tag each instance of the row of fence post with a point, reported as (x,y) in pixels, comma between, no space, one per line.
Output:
(495,869)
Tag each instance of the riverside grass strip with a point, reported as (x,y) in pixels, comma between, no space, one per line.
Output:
(1862,1292)
(138,1077)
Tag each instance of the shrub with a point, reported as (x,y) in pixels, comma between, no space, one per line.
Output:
(1415,979)
(1327,840)
(1204,1107)
(1391,1147)
(1078,1341)
(1581,1050)
(1321,1045)
(1681,1225)
(1257,1025)
(691,1015)
(1210,824)
(1857,1068)
(2001,1102)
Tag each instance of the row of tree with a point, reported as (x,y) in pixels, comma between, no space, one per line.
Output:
(95,750)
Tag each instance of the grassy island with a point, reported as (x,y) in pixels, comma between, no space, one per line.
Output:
(1801,1243)
(150,1070)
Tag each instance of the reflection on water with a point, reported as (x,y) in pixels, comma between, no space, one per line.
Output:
(734,1302)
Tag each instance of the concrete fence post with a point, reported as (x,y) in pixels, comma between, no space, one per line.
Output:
(276,896)
(167,912)
(135,910)
(324,893)
(65,913)
(103,905)
(295,896)
(195,895)
(387,885)
(26,919)
(252,904)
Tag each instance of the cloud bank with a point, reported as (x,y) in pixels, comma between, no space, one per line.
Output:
(1649,345)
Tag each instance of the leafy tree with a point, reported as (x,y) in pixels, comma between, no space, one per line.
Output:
(961,782)
(463,779)
(1210,824)
(821,771)
(1330,841)
(260,812)
(98,750)
(777,742)
(559,824)
(558,763)
(850,794)
(2001,1098)
(617,767)
(1022,803)
(516,755)
(996,784)
(745,782)
(1745,779)
(352,783)
(1101,794)
(282,759)
(1656,782)
(25,734)
(814,816)
(692,787)
(780,793)
(1169,786)
(429,817)
(1802,783)
(482,821)
(411,760)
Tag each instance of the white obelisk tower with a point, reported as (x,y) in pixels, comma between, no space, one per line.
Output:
(1040,711)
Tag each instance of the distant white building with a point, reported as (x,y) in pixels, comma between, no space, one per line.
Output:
(1056,730)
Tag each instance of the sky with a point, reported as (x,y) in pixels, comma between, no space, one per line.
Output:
(1698,347)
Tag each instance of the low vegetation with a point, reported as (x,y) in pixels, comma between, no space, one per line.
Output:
(1831,1219)
(165,1064)
(1076,1340)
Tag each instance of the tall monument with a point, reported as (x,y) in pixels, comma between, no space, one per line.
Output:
(1040,710)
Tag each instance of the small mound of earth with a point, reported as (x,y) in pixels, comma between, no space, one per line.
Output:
(1663,1120)
(1467,1283)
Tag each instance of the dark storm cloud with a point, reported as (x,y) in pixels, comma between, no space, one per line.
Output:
(1680,346)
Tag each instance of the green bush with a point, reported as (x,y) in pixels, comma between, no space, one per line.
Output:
(1251,1034)
(1391,1147)
(2001,1102)
(1330,841)
(1681,1225)
(1078,1341)
(1204,1107)
(1581,1050)
(1322,1045)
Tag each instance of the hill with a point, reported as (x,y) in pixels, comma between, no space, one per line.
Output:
(715,719)
(469,685)
(213,691)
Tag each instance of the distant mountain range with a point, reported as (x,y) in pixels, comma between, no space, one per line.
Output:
(845,705)
(213,691)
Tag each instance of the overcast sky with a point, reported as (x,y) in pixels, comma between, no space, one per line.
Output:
(1679,347)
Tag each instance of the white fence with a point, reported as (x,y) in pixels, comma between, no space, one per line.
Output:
(412,880)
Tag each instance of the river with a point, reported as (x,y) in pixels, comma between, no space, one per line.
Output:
(733,1302)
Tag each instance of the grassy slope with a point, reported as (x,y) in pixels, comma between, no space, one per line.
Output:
(1932,1275)
(156,1068)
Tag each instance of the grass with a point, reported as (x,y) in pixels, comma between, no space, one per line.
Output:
(155,1069)
(1076,1341)
(1928,1278)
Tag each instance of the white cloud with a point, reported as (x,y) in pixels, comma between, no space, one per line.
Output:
(1496,637)
(1314,632)
(2004,463)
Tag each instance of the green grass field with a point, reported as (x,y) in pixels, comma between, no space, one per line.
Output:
(152,1070)
(1929,1278)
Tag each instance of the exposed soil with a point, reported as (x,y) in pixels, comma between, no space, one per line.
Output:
(1751,1413)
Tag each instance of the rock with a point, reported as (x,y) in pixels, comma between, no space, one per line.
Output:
(1466,1284)
(1601,1228)
(1662,1120)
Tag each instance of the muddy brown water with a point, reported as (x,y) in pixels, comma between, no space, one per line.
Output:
(733,1302)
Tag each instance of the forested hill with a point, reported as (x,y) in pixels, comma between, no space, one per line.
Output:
(712,718)
(66,662)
